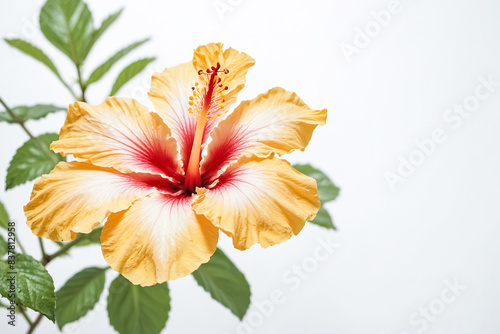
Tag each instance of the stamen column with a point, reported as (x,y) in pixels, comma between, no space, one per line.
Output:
(193,177)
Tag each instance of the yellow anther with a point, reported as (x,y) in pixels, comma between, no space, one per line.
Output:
(218,114)
(190,97)
(221,106)
(196,84)
(190,103)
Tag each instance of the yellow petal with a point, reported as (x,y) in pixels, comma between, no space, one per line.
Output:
(119,133)
(170,91)
(77,196)
(159,238)
(237,63)
(277,121)
(260,200)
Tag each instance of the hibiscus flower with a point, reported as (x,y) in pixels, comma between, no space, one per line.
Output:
(165,182)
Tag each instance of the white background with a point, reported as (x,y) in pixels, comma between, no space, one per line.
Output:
(396,248)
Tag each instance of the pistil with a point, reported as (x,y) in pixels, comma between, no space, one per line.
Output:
(193,177)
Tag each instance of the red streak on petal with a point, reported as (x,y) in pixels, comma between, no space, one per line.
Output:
(221,155)
(161,184)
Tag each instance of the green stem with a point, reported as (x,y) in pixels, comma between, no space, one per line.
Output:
(34,324)
(21,123)
(69,88)
(23,312)
(42,249)
(66,247)
(18,242)
(40,241)
(83,87)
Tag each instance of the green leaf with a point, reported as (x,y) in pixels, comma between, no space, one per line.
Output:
(4,246)
(68,25)
(4,216)
(32,160)
(129,72)
(79,295)
(225,283)
(93,237)
(34,52)
(99,72)
(133,309)
(104,26)
(25,113)
(34,286)
(324,219)
(326,189)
